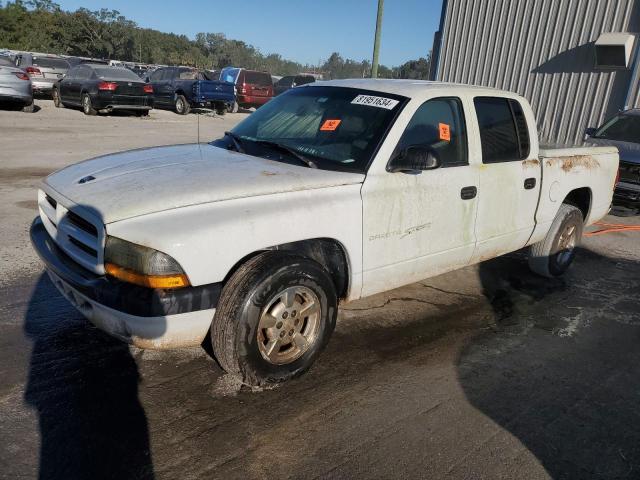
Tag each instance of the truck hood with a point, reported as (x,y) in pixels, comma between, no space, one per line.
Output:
(629,151)
(139,182)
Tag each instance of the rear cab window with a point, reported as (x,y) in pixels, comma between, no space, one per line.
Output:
(504,134)
(440,125)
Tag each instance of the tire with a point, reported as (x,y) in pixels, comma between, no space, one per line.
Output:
(552,256)
(221,111)
(56,98)
(245,338)
(87,106)
(29,108)
(181,105)
(142,113)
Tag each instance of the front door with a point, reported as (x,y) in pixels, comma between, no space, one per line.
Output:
(509,178)
(420,224)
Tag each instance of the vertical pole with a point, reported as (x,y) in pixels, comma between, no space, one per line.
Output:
(376,42)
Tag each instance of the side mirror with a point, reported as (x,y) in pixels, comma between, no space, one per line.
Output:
(590,132)
(414,159)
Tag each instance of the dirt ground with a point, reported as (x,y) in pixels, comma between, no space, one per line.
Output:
(488,372)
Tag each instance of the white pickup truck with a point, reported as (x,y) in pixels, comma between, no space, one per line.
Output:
(330,192)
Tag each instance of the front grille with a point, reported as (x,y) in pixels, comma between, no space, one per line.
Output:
(51,201)
(81,223)
(79,235)
(630,173)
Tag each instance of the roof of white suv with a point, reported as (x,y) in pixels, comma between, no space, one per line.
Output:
(409,88)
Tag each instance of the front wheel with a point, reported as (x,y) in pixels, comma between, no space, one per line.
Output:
(553,255)
(233,107)
(56,98)
(274,317)
(87,106)
(182,106)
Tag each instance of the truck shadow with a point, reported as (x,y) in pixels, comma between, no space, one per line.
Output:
(83,385)
(561,375)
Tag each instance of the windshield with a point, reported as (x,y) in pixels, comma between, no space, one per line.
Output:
(116,73)
(337,128)
(624,128)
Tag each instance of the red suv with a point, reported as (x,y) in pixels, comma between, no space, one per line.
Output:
(253,88)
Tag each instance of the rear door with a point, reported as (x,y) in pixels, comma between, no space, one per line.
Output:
(510,176)
(162,81)
(420,224)
(66,84)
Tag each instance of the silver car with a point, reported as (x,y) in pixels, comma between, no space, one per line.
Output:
(15,87)
(44,70)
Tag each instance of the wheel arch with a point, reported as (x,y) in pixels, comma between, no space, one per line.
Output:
(580,198)
(328,252)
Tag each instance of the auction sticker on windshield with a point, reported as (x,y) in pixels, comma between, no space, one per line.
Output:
(373,101)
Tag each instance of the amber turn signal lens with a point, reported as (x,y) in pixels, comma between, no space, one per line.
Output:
(151,281)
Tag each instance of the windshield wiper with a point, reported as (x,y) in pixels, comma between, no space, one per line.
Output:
(291,151)
(236,141)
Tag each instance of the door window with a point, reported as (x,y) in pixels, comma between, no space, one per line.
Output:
(503,129)
(438,124)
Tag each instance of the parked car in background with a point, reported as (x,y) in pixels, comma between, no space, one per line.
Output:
(102,88)
(44,70)
(290,81)
(182,88)
(15,87)
(253,88)
(623,131)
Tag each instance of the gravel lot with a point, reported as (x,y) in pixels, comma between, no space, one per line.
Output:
(488,372)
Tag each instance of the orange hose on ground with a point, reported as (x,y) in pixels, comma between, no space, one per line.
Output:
(611,228)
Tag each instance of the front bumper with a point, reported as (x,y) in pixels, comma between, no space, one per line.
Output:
(145,317)
(252,100)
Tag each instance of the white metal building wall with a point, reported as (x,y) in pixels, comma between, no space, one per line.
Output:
(542,49)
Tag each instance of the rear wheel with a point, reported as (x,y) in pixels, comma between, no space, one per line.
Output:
(56,98)
(87,106)
(234,107)
(552,256)
(274,317)
(182,107)
(29,108)
(142,113)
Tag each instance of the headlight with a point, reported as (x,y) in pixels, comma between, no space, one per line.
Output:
(144,266)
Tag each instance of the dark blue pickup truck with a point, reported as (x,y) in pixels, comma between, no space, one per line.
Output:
(181,88)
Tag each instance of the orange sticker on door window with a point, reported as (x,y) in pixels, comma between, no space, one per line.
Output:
(330,125)
(445,132)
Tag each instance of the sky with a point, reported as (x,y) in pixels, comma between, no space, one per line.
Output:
(307,31)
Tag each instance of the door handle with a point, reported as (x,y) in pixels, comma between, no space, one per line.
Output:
(467,193)
(529,183)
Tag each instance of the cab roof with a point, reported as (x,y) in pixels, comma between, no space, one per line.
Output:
(407,88)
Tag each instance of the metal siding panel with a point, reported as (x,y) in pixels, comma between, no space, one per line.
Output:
(522,45)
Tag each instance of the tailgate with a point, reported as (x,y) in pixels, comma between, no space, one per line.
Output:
(207,90)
